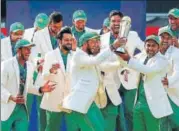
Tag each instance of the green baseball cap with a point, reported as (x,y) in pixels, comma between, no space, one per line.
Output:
(41,21)
(17,26)
(165,29)
(79,15)
(174,12)
(106,22)
(154,38)
(87,36)
(23,43)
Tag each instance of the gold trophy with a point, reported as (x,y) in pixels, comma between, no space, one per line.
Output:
(125,26)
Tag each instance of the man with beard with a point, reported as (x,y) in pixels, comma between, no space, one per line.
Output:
(171,80)
(16,81)
(125,109)
(57,65)
(173,19)
(85,78)
(8,43)
(124,120)
(151,103)
(79,25)
(45,41)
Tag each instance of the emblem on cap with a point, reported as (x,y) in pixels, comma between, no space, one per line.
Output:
(40,20)
(79,13)
(19,25)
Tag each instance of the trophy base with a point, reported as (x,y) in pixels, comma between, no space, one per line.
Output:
(120,50)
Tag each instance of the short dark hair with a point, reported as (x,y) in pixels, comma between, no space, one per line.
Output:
(115,12)
(55,17)
(65,29)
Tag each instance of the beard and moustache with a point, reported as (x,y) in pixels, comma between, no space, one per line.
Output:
(94,52)
(89,51)
(163,50)
(67,47)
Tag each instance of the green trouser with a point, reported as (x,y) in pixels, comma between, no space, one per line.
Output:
(174,118)
(30,99)
(171,123)
(110,113)
(143,120)
(40,112)
(96,117)
(42,118)
(92,121)
(18,121)
(129,97)
(125,115)
(54,120)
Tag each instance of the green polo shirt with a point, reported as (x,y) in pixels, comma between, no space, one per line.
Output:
(112,39)
(53,42)
(23,74)
(64,57)
(77,34)
(13,48)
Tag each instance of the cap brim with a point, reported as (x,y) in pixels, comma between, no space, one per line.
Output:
(80,19)
(17,30)
(172,14)
(153,40)
(94,37)
(166,32)
(31,44)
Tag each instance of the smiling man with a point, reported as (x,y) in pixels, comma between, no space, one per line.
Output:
(85,80)
(173,19)
(62,58)
(79,25)
(151,103)
(171,81)
(45,39)
(8,43)
(16,82)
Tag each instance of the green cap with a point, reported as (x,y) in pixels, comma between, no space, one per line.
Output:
(174,12)
(165,29)
(17,26)
(106,22)
(23,43)
(79,15)
(87,36)
(153,37)
(41,21)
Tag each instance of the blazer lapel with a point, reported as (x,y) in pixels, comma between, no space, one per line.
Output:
(152,60)
(68,62)
(47,39)
(29,71)
(16,68)
(141,59)
(9,48)
(59,58)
